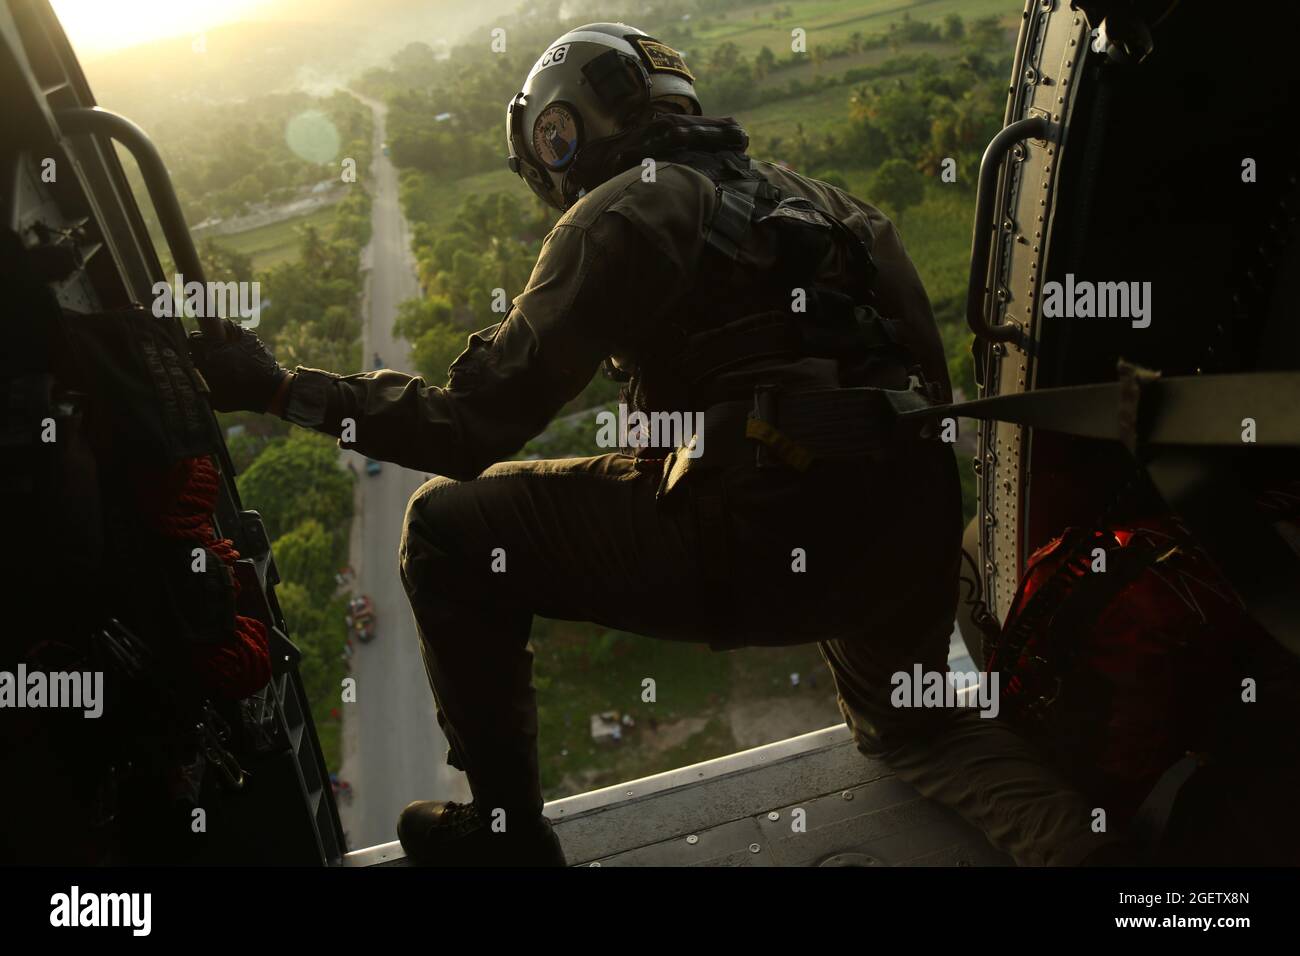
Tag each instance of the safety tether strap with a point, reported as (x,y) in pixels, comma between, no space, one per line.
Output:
(1142,410)
(1173,425)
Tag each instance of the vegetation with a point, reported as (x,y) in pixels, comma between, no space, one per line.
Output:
(230,159)
(310,316)
(888,130)
(881,102)
(883,115)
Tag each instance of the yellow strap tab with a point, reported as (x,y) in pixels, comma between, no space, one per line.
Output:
(790,452)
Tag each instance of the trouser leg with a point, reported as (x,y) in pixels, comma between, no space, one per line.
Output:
(978,766)
(586,540)
(581,539)
(476,657)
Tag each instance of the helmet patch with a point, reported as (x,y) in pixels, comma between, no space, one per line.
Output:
(555,136)
(661,58)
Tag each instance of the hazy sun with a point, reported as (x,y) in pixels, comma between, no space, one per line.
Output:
(98,26)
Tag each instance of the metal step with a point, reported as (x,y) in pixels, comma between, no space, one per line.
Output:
(739,810)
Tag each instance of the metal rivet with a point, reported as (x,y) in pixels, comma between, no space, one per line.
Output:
(692,839)
(774,815)
(847,794)
(754,848)
(597,863)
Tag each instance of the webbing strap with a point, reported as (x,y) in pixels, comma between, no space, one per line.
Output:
(1182,410)
(781,445)
(771,334)
(743,341)
(730,223)
(1183,418)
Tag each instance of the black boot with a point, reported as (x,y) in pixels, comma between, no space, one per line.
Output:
(437,833)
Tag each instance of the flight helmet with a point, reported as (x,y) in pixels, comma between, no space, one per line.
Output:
(592,83)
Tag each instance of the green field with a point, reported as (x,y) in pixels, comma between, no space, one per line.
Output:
(830,21)
(271,245)
(432,200)
(808,71)
(705,703)
(820,113)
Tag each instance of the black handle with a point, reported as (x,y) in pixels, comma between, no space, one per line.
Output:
(161,193)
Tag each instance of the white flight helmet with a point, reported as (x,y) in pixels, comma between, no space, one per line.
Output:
(590,84)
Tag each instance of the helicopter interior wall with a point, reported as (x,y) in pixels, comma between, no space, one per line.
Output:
(1153,189)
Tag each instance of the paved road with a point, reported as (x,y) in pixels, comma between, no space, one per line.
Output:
(394,751)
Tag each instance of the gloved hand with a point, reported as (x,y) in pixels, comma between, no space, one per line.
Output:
(241,372)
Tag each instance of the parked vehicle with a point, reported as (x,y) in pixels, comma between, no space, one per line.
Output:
(361,618)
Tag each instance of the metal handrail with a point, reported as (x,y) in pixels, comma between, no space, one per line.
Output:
(96,121)
(1034,127)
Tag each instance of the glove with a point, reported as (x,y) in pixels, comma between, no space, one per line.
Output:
(241,372)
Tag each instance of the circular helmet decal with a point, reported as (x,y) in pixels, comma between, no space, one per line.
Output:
(555,136)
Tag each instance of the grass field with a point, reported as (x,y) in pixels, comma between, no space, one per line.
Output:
(829,21)
(271,245)
(433,201)
(808,71)
(707,704)
(820,113)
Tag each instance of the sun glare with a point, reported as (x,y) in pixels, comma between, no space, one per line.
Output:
(101,26)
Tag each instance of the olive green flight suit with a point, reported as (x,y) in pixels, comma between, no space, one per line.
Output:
(682,548)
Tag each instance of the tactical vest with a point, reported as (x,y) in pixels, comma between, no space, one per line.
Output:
(759,301)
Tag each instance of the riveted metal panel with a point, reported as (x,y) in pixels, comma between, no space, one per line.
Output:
(1049,57)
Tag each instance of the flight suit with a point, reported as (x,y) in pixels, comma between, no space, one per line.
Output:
(859,556)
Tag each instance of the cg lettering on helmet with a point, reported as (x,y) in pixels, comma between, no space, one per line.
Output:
(553,56)
(556,135)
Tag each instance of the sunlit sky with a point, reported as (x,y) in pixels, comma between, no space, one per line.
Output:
(100,26)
